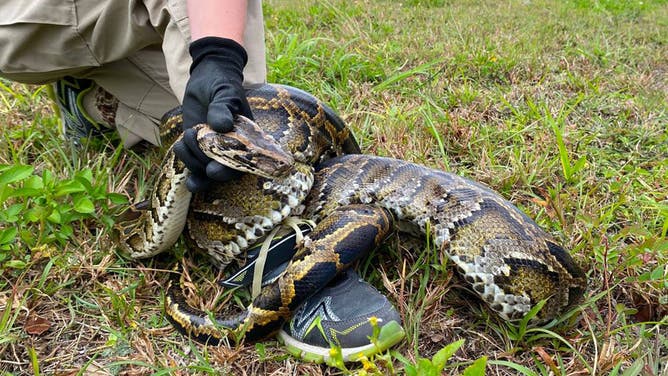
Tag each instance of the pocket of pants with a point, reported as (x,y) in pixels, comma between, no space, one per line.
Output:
(41,36)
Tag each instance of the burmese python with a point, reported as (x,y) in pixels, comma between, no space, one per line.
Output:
(356,201)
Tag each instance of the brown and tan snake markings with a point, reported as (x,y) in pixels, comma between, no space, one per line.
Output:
(299,160)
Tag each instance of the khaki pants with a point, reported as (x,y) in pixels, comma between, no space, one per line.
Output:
(137,50)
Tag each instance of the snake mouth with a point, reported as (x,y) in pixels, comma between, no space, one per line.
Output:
(246,148)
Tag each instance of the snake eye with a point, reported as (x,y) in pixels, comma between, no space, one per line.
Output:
(282,165)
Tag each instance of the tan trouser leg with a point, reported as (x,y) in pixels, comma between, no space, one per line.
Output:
(141,85)
(136,50)
(150,82)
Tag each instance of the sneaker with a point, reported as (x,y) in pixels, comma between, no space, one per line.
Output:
(68,93)
(339,318)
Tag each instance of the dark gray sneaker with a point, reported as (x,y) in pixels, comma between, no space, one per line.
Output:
(339,322)
(346,320)
(68,93)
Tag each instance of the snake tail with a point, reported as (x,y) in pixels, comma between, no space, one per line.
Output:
(339,240)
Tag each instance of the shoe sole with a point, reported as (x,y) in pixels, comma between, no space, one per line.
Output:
(390,334)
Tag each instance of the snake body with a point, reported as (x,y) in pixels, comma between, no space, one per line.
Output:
(291,129)
(297,165)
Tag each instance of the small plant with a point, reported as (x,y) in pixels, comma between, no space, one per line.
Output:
(435,365)
(43,209)
(569,168)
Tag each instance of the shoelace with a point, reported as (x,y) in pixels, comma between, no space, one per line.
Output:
(258,269)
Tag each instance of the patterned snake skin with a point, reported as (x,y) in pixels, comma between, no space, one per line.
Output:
(297,167)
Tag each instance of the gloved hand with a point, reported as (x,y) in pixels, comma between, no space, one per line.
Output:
(214,94)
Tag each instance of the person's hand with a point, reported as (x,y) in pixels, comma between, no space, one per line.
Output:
(214,95)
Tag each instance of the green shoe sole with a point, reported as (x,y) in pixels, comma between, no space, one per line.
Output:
(390,334)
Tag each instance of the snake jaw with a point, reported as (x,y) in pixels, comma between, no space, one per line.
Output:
(246,148)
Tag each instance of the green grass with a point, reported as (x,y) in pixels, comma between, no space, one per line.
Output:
(561,106)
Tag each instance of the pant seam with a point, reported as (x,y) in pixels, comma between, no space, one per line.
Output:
(78,32)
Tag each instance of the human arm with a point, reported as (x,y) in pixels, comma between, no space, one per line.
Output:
(214,92)
(215,18)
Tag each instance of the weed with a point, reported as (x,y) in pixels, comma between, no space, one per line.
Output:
(44,209)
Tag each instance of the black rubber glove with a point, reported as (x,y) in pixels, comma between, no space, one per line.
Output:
(214,94)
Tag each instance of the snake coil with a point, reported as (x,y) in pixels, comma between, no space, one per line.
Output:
(301,160)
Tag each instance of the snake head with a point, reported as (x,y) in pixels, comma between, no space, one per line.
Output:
(246,148)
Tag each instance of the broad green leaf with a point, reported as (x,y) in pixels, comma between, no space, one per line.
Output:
(5,192)
(84,205)
(85,177)
(15,264)
(85,174)
(260,350)
(24,192)
(68,187)
(107,220)
(657,274)
(11,214)
(64,208)
(580,164)
(66,230)
(112,340)
(425,367)
(442,356)
(117,198)
(410,370)
(477,368)
(407,363)
(34,182)
(48,178)
(35,214)
(54,217)
(7,235)
(15,173)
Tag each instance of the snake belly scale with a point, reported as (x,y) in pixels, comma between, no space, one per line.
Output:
(298,158)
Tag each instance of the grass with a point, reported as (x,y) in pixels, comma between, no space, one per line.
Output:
(561,106)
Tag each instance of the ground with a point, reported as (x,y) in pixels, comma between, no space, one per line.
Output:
(561,106)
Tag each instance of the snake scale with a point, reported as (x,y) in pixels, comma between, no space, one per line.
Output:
(298,159)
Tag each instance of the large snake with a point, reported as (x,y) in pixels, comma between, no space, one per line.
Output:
(293,164)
